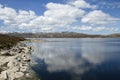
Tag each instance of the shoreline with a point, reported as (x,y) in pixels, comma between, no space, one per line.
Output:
(15,63)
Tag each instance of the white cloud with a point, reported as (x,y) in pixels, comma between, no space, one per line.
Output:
(4,31)
(104,29)
(82,4)
(56,17)
(7,13)
(98,17)
(63,12)
(12,18)
(95,29)
(83,27)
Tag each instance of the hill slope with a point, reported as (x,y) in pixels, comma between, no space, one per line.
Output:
(7,42)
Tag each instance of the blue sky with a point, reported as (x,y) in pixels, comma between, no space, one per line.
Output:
(84,16)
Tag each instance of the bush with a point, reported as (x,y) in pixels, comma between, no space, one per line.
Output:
(6,42)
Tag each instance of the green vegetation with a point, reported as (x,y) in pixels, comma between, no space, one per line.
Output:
(1,69)
(6,42)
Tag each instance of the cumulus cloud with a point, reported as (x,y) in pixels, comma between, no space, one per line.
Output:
(98,17)
(63,12)
(12,18)
(82,4)
(56,17)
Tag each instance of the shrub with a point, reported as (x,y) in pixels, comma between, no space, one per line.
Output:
(6,42)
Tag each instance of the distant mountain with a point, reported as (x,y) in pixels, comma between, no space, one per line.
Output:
(115,35)
(61,35)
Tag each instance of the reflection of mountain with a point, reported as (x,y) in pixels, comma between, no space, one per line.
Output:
(78,55)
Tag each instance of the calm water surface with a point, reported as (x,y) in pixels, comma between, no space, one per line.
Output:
(77,59)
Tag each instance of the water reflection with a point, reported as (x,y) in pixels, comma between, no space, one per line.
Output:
(76,56)
(97,53)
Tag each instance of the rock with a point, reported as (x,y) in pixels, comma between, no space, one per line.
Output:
(4,52)
(18,74)
(12,53)
(3,75)
(23,68)
(14,49)
(26,58)
(8,53)
(12,63)
(28,75)
(19,59)
(16,62)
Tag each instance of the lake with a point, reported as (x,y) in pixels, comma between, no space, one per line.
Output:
(77,58)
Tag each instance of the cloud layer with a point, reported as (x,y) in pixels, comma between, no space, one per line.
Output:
(58,16)
(98,17)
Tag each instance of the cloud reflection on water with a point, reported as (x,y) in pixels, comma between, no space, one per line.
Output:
(60,56)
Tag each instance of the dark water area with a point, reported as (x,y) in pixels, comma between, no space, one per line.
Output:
(77,59)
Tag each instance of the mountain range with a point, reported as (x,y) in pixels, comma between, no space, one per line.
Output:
(62,35)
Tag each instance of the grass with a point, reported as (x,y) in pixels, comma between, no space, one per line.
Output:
(6,42)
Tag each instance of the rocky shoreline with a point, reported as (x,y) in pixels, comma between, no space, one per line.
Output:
(15,63)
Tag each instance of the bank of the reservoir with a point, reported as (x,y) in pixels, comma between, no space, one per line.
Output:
(14,63)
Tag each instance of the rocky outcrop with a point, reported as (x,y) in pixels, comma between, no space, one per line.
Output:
(14,63)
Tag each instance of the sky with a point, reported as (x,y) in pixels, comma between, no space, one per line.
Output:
(82,16)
